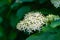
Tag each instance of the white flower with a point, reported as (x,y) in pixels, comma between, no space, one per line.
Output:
(52,17)
(32,21)
(56,3)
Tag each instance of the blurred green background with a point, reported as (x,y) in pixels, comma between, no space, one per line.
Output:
(12,11)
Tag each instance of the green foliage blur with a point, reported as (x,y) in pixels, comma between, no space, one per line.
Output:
(11,12)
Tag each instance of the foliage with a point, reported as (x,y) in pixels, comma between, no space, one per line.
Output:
(12,11)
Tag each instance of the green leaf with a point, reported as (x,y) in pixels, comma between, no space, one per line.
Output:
(22,11)
(55,23)
(46,28)
(57,36)
(15,5)
(42,36)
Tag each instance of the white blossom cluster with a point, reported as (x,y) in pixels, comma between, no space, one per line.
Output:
(56,3)
(32,21)
(52,17)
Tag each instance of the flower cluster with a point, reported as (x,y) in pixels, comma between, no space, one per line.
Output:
(52,17)
(56,3)
(32,21)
